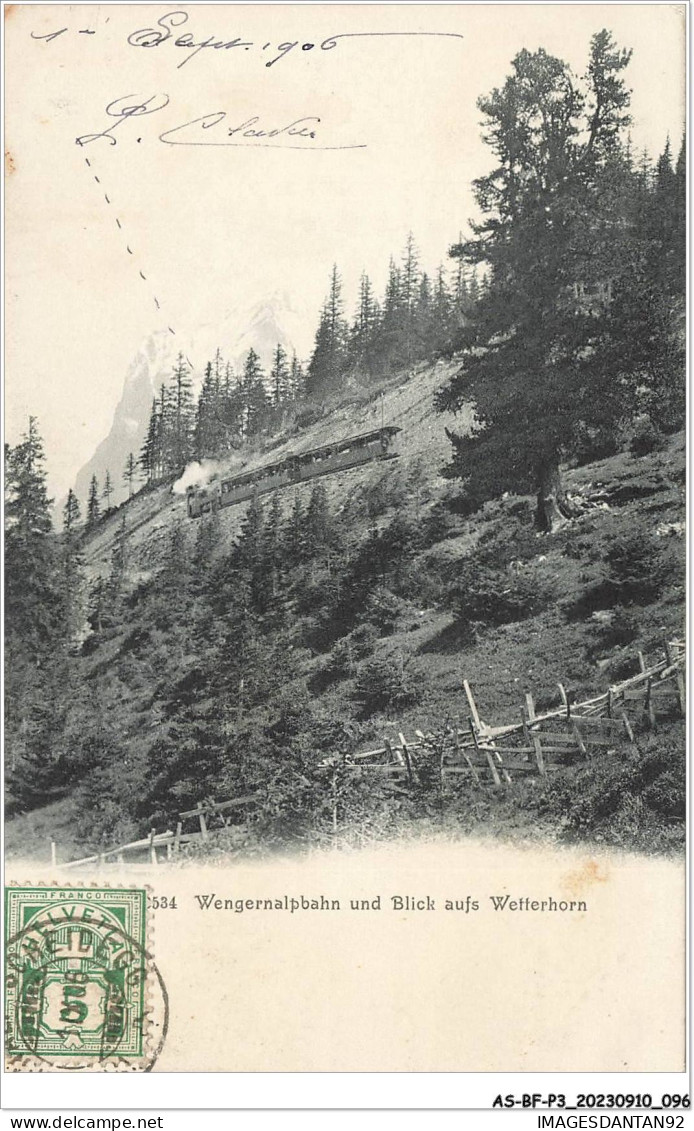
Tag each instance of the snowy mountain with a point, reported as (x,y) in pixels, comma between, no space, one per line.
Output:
(261,326)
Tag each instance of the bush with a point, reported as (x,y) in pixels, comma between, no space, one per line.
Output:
(384,610)
(438,524)
(491,597)
(639,803)
(352,648)
(645,436)
(637,570)
(622,628)
(513,538)
(386,681)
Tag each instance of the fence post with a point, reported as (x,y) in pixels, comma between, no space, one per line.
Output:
(583,749)
(486,751)
(628,728)
(673,659)
(152,849)
(333,789)
(461,749)
(648,705)
(442,784)
(408,759)
(472,705)
(534,738)
(565,701)
(54,855)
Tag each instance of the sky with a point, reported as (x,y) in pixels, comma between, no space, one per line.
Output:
(213,227)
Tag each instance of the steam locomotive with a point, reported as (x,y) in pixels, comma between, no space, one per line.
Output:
(293,469)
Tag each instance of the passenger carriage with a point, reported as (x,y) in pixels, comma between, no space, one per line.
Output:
(293,469)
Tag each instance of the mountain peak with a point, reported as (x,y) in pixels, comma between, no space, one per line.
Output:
(261,325)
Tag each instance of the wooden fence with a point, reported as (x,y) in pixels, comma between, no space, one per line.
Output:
(150,849)
(537,744)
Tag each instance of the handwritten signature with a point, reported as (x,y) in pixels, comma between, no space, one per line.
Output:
(251,132)
(166,26)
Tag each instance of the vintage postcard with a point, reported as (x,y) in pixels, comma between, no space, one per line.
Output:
(345,541)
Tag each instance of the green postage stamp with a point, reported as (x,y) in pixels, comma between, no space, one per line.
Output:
(81,989)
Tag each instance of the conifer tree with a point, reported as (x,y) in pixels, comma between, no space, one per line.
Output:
(390,339)
(31,590)
(165,456)
(71,513)
(533,363)
(174,577)
(425,326)
(205,416)
(274,525)
(182,415)
(34,624)
(107,491)
(297,379)
(318,526)
(129,473)
(441,310)
(71,568)
(295,534)
(363,339)
(328,360)
(149,460)
(280,378)
(273,562)
(206,543)
(93,505)
(210,431)
(248,551)
(409,289)
(255,400)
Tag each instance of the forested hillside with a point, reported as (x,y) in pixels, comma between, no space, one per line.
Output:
(529,532)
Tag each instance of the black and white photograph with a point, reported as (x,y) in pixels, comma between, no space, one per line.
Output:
(345,548)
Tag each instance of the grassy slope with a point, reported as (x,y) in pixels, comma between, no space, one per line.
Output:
(408,405)
(503,662)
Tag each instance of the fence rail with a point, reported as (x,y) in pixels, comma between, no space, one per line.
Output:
(527,747)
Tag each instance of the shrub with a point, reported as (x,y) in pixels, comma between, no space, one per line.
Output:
(386,681)
(645,436)
(622,628)
(382,493)
(492,597)
(512,537)
(384,610)
(637,570)
(638,803)
(352,648)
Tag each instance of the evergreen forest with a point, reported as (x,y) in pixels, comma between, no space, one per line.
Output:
(247,649)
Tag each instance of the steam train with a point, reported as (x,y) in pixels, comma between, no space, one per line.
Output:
(292,470)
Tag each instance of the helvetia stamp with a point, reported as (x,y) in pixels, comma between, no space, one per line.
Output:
(81,987)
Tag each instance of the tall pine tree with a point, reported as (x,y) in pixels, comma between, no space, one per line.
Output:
(93,504)
(328,360)
(552,221)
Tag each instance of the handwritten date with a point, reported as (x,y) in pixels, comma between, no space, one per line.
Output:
(167,30)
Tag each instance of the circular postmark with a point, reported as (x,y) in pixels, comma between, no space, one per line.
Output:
(82,989)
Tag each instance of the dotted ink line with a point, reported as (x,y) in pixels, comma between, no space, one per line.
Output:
(127,246)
